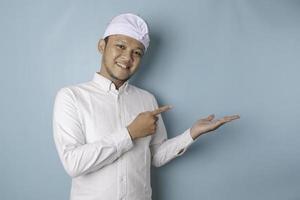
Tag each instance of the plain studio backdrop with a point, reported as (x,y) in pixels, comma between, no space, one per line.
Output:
(206,56)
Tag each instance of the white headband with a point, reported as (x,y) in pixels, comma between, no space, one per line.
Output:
(130,25)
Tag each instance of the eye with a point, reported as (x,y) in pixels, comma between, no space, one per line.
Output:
(138,53)
(120,46)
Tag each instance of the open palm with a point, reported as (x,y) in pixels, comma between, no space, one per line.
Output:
(208,124)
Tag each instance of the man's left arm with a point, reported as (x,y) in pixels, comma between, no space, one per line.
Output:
(164,150)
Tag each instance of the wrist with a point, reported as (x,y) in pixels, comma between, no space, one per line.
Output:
(195,134)
(130,131)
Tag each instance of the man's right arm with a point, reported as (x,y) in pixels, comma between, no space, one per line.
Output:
(77,156)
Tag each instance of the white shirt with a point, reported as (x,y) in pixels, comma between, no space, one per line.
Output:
(95,148)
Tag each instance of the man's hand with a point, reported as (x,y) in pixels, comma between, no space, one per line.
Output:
(145,123)
(207,124)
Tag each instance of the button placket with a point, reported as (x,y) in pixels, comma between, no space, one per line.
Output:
(122,162)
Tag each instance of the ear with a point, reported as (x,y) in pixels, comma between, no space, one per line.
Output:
(101,45)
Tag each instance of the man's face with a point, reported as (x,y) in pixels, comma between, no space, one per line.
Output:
(121,57)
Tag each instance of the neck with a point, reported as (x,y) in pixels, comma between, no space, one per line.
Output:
(118,83)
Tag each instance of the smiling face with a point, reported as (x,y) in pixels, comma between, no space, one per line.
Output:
(121,57)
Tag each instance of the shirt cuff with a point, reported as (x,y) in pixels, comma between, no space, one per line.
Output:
(185,141)
(122,141)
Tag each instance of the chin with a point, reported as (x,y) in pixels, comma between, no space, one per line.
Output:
(121,78)
(124,79)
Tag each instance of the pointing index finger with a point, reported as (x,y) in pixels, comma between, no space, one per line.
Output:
(161,109)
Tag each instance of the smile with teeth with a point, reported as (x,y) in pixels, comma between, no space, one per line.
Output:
(122,66)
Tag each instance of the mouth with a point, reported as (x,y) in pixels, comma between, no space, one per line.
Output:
(123,66)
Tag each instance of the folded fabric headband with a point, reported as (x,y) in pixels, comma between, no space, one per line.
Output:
(130,25)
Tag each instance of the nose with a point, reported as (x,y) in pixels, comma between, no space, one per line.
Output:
(126,56)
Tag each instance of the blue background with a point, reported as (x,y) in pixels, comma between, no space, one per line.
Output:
(206,56)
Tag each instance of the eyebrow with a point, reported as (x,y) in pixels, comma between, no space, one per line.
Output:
(120,40)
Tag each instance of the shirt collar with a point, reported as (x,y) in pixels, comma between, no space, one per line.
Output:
(107,85)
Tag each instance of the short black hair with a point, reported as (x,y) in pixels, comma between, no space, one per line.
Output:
(106,40)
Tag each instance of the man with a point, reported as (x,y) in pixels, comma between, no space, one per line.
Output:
(109,132)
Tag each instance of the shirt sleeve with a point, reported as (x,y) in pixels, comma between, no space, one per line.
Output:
(77,156)
(163,149)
